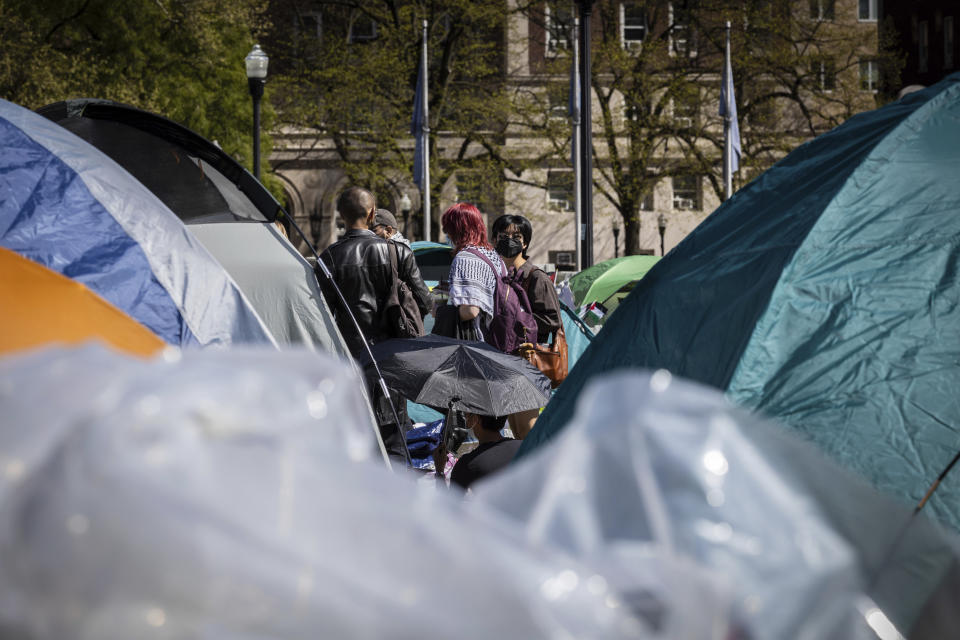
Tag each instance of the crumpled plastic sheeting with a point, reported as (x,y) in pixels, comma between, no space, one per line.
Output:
(653,469)
(224,494)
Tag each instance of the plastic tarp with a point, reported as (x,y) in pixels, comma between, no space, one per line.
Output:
(70,208)
(824,293)
(653,471)
(230,494)
(277,281)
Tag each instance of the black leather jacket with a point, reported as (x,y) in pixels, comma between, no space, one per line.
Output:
(360,264)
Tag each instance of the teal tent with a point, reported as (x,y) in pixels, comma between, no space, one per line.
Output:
(826,294)
(433,259)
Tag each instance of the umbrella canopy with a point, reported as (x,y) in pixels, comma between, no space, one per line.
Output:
(71,208)
(41,306)
(222,204)
(599,282)
(433,370)
(824,293)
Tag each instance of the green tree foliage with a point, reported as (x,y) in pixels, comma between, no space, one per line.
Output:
(656,99)
(347,73)
(180,58)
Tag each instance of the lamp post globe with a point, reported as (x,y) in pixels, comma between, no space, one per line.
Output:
(256,62)
(405,207)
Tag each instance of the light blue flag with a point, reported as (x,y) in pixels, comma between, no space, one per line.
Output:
(728,105)
(416,130)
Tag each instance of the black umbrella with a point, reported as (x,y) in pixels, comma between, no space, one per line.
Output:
(434,370)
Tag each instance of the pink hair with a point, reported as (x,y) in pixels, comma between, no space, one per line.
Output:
(464,225)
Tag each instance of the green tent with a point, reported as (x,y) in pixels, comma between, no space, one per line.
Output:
(602,281)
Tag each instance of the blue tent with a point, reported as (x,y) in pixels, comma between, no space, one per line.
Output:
(69,207)
(826,294)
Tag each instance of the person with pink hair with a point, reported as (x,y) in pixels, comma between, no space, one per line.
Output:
(472,280)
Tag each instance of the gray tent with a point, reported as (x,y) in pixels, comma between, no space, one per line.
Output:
(222,204)
(226,208)
(277,281)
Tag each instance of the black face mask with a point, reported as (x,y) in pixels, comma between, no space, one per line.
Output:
(509,247)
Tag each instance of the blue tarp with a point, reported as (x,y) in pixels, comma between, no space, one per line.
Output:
(825,293)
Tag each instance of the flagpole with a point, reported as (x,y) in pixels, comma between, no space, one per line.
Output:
(575,145)
(586,133)
(425,135)
(727,142)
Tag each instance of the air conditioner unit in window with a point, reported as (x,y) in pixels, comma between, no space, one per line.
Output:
(684,122)
(555,46)
(633,46)
(683,203)
(565,260)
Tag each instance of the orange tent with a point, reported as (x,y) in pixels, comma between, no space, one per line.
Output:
(41,306)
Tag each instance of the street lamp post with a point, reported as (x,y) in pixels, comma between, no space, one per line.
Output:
(256,62)
(405,207)
(662,224)
(616,241)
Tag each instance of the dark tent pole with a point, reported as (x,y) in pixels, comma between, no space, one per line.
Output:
(586,136)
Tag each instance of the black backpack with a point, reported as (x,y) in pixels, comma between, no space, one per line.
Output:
(402,313)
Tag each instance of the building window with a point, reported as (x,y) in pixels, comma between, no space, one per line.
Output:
(558,100)
(869,75)
(633,25)
(867,11)
(948,42)
(309,26)
(821,9)
(923,45)
(647,203)
(680,40)
(824,73)
(363,28)
(686,193)
(559,26)
(686,109)
(560,190)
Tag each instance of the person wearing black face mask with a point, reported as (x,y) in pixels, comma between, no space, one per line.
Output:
(511,237)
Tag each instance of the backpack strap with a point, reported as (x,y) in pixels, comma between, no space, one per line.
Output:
(394,258)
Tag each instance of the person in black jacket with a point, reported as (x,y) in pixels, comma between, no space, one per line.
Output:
(360,265)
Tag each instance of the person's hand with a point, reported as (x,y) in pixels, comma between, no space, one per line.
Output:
(440,459)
